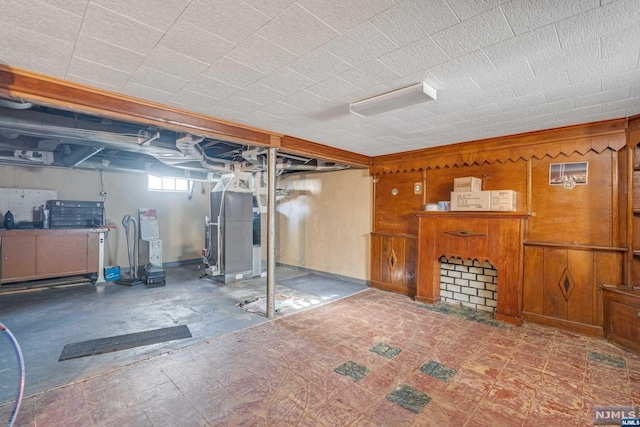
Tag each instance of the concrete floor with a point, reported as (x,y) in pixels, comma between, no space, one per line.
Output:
(45,321)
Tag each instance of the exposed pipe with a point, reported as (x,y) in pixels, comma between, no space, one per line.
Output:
(271,232)
(20,359)
(16,105)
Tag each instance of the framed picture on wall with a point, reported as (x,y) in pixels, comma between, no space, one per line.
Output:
(562,173)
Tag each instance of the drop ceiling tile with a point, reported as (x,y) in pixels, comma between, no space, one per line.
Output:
(582,56)
(231,20)
(318,65)
(414,57)
(20,47)
(92,83)
(260,54)
(98,73)
(97,51)
(158,80)
(475,33)
(145,92)
(344,15)
(413,20)
(370,74)
(630,104)
(631,78)
(533,44)
(160,14)
(233,73)
(463,67)
(259,118)
(550,80)
(297,30)
(116,29)
(286,81)
(211,87)
(465,9)
(367,93)
(602,97)
(190,99)
(635,93)
(221,112)
(526,15)
(448,107)
(260,94)
(361,44)
(333,89)
(240,105)
(573,91)
(598,22)
(505,75)
(175,63)
(622,42)
(603,68)
(478,112)
(195,42)
(482,98)
(308,102)
(280,109)
(77,7)
(42,18)
(550,107)
(522,102)
(271,8)
(577,115)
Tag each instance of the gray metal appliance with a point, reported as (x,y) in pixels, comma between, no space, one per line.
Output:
(229,250)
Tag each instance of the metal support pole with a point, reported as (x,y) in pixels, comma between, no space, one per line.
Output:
(271,233)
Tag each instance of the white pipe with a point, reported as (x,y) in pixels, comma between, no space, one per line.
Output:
(20,358)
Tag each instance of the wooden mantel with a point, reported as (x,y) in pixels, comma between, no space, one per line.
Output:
(496,237)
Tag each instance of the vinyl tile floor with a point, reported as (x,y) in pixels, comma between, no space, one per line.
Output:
(46,320)
(370,359)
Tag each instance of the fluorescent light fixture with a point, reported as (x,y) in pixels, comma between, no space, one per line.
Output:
(400,98)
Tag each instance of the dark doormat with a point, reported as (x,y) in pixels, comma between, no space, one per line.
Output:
(123,342)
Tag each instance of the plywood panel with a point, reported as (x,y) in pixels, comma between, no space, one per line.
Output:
(555,263)
(63,254)
(395,213)
(376,250)
(580,215)
(18,257)
(608,271)
(533,300)
(581,302)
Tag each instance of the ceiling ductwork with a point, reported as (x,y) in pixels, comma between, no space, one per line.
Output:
(44,136)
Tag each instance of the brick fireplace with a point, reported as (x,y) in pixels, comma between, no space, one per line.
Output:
(496,238)
(469,282)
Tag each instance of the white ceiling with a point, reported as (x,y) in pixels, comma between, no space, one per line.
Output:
(500,67)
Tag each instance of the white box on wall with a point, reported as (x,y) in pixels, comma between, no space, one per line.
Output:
(467,183)
(503,200)
(471,200)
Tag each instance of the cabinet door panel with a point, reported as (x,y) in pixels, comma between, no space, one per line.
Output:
(533,279)
(580,308)
(555,264)
(18,257)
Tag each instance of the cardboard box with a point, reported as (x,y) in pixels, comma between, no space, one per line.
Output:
(112,273)
(467,184)
(471,201)
(503,200)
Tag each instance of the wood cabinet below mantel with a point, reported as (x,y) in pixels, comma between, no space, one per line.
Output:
(393,265)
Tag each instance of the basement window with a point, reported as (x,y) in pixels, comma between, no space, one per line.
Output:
(159,183)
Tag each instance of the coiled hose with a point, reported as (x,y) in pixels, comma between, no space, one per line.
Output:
(20,392)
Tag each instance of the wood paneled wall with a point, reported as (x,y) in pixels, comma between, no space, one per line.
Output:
(575,239)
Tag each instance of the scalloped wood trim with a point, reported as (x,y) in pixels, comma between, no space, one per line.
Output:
(609,135)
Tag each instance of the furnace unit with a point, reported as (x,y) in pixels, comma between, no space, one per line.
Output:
(229,251)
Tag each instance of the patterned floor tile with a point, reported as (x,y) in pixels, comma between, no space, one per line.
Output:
(467,313)
(386,350)
(438,371)
(607,359)
(409,398)
(353,370)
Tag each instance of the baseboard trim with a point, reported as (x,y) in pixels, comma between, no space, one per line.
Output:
(567,325)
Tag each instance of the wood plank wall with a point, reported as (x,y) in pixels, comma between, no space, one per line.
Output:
(575,239)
